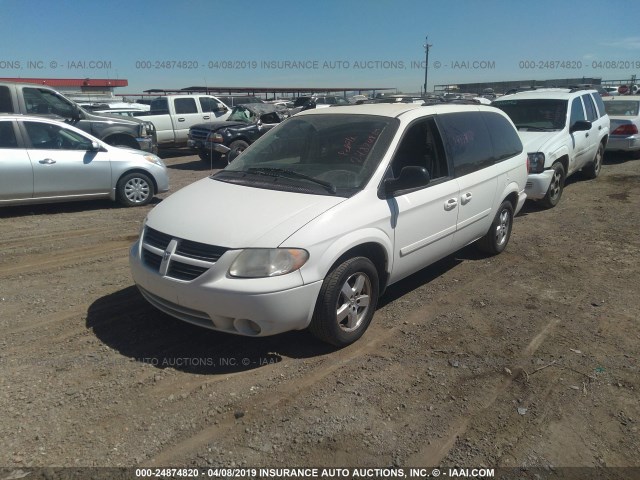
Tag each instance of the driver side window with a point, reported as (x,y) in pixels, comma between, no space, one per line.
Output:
(421,146)
(47,136)
(577,113)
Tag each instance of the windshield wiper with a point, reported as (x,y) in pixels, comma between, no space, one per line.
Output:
(533,127)
(283,172)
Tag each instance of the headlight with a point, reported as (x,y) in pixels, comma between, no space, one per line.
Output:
(215,137)
(154,159)
(536,162)
(146,128)
(268,262)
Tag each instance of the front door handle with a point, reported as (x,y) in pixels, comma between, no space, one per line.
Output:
(181,119)
(466,198)
(47,161)
(206,117)
(450,204)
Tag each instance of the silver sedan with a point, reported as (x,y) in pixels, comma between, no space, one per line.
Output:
(43,161)
(624,113)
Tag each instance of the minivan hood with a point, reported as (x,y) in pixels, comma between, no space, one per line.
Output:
(236,216)
(537,141)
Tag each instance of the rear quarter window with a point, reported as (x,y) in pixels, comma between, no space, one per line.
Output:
(598,99)
(467,141)
(504,138)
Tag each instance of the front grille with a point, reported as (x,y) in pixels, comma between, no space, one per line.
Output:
(198,134)
(202,251)
(176,257)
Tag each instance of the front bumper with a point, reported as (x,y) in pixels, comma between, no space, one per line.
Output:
(147,144)
(619,143)
(538,184)
(251,307)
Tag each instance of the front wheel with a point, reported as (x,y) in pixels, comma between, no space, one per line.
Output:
(496,239)
(593,169)
(552,198)
(135,189)
(346,303)
(237,148)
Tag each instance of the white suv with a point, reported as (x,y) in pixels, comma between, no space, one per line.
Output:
(325,211)
(563,131)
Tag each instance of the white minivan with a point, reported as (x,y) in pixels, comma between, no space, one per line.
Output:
(309,225)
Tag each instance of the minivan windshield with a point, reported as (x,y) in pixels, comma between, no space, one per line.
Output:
(534,114)
(319,154)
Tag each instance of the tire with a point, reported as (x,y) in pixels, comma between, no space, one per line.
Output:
(497,238)
(593,169)
(554,193)
(346,303)
(237,148)
(135,189)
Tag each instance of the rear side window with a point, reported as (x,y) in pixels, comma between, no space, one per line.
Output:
(6,105)
(185,105)
(602,111)
(592,115)
(467,141)
(505,139)
(7,135)
(159,105)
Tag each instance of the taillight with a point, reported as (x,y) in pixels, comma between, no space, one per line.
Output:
(626,129)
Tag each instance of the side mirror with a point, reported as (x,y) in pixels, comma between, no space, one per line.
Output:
(219,108)
(410,178)
(580,126)
(75,113)
(95,146)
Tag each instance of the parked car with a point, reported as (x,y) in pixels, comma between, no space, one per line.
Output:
(30,99)
(316,101)
(325,211)
(624,113)
(563,131)
(245,125)
(42,161)
(612,91)
(173,115)
(233,100)
(123,112)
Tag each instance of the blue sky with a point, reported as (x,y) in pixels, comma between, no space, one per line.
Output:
(342,43)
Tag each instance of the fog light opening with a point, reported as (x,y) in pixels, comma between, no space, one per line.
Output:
(247,327)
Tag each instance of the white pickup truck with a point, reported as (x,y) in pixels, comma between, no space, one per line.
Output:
(173,115)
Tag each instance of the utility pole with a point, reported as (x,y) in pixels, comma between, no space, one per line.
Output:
(426,63)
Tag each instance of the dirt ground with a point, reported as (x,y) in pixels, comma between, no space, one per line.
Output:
(526,359)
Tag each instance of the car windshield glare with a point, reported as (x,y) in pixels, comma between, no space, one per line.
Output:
(543,114)
(342,150)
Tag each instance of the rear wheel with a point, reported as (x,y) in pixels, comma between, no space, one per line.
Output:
(593,169)
(346,303)
(552,198)
(496,239)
